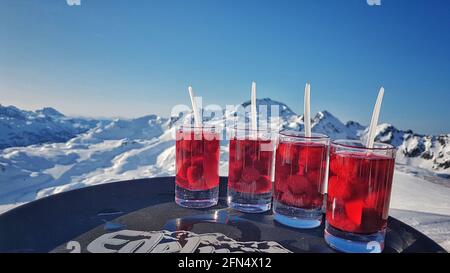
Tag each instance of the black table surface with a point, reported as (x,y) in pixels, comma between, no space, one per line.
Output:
(141,216)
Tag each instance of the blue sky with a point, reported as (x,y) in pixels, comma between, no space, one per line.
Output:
(131,58)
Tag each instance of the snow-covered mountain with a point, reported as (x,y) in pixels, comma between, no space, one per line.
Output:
(423,151)
(23,128)
(118,150)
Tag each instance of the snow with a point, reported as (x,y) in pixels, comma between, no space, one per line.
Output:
(422,204)
(22,128)
(125,149)
(410,192)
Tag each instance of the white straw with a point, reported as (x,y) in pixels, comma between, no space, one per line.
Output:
(197,119)
(374,121)
(253,110)
(307,110)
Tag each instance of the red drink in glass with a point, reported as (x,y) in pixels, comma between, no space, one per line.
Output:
(300,173)
(197,167)
(359,190)
(250,172)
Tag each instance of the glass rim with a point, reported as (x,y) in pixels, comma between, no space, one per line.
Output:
(186,126)
(252,130)
(339,142)
(301,135)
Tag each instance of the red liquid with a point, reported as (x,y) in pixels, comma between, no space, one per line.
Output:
(250,166)
(359,189)
(299,173)
(197,161)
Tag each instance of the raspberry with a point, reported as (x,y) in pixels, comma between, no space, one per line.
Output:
(263,184)
(235,174)
(249,175)
(261,165)
(311,156)
(315,177)
(298,184)
(195,175)
(289,199)
(247,187)
(281,184)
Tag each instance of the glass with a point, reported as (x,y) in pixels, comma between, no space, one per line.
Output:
(250,170)
(197,167)
(359,190)
(300,173)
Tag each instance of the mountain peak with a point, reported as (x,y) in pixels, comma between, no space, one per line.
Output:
(284,109)
(326,123)
(352,123)
(12,112)
(325,115)
(51,112)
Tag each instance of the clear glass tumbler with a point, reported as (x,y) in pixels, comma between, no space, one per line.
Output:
(251,170)
(300,173)
(359,191)
(197,166)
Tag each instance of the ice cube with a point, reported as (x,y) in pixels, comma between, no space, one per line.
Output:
(354,210)
(372,220)
(339,189)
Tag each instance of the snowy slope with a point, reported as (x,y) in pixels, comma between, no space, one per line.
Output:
(422,205)
(23,128)
(122,149)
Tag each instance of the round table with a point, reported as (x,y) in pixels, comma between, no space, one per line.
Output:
(141,216)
